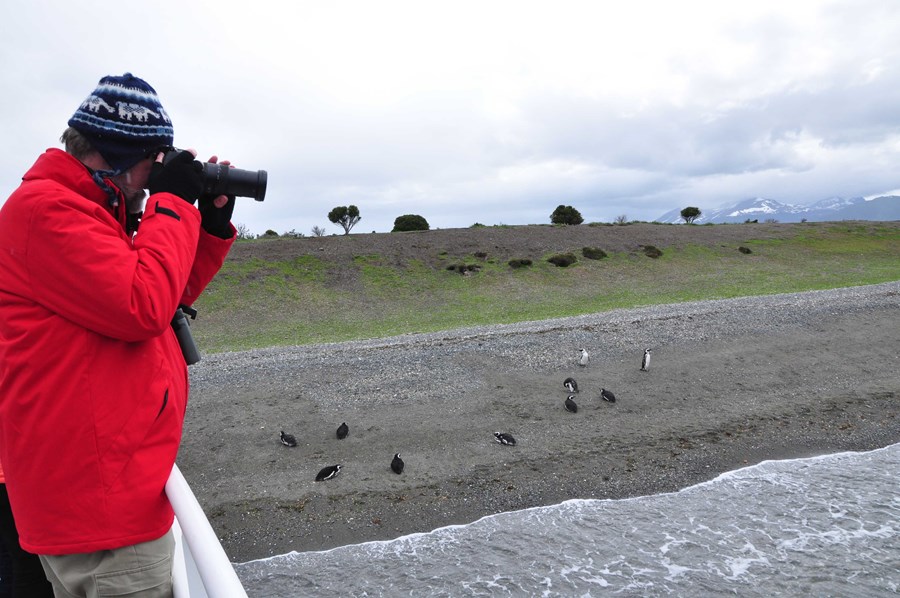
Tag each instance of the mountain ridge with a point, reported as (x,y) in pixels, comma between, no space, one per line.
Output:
(830,209)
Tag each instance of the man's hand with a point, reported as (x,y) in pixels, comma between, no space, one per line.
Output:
(182,176)
(216,211)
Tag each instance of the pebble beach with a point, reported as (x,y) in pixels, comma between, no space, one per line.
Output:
(732,382)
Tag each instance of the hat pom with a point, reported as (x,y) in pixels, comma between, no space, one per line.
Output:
(124,120)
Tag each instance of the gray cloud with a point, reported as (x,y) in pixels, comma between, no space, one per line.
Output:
(491,114)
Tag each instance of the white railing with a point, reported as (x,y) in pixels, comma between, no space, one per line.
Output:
(201,568)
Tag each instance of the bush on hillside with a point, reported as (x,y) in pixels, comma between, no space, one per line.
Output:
(651,251)
(563,260)
(566,215)
(409,222)
(593,253)
(464,268)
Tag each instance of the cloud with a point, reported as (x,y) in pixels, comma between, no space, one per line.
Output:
(486,112)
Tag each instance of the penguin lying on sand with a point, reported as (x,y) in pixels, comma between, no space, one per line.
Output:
(504,438)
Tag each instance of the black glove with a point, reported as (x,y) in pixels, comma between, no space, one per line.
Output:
(181,175)
(216,221)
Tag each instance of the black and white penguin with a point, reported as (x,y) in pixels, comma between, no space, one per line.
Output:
(288,439)
(607,395)
(397,464)
(570,404)
(504,438)
(645,362)
(342,431)
(570,384)
(327,473)
(585,357)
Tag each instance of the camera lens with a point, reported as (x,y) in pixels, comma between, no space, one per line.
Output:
(219,179)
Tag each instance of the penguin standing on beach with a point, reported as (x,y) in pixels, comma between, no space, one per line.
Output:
(585,358)
(504,438)
(570,384)
(326,473)
(397,464)
(645,362)
(571,407)
(607,395)
(342,431)
(288,439)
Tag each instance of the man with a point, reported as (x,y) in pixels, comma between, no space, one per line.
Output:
(93,385)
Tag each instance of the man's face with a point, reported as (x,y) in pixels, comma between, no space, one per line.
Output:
(133,182)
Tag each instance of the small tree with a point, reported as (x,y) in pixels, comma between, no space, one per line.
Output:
(346,216)
(565,215)
(318,231)
(243,231)
(409,222)
(690,214)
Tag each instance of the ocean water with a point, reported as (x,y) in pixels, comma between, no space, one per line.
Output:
(823,526)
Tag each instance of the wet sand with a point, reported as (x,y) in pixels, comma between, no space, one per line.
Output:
(731,383)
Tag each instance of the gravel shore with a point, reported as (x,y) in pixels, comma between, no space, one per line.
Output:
(732,382)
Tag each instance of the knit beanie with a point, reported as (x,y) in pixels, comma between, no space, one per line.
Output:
(123,120)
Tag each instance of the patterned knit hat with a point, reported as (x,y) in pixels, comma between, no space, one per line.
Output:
(123,120)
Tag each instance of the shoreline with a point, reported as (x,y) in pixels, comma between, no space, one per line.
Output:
(732,383)
(684,488)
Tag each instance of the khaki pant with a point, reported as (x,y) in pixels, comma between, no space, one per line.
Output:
(139,571)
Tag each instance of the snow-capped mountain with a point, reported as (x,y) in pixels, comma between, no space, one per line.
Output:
(762,209)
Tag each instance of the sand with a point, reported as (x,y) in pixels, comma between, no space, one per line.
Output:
(732,383)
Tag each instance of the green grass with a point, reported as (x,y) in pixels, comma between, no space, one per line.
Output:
(263,303)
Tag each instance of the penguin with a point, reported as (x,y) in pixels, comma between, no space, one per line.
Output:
(570,404)
(570,384)
(585,357)
(504,438)
(645,362)
(607,395)
(397,464)
(342,431)
(328,472)
(288,439)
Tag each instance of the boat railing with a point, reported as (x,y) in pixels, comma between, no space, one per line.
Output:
(201,568)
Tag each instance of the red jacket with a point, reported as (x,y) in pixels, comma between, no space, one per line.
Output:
(93,386)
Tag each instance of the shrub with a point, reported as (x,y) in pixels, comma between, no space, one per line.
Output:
(563,260)
(409,222)
(464,268)
(593,253)
(565,215)
(519,263)
(651,251)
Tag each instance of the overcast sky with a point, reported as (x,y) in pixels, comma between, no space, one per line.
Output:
(490,111)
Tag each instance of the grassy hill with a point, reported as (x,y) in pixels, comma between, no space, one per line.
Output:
(287,291)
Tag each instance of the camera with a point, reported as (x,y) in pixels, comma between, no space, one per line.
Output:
(221,179)
(182,328)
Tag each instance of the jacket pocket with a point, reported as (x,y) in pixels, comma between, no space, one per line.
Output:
(165,402)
